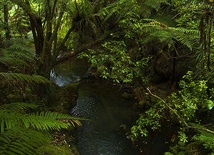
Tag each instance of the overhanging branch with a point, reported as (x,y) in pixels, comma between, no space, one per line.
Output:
(82,48)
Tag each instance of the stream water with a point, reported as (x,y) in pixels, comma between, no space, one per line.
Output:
(101,102)
(109,113)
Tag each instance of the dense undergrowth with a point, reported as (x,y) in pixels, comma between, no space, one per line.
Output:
(161,50)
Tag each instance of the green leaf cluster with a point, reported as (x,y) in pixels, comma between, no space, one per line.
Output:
(23,132)
(25,126)
(184,107)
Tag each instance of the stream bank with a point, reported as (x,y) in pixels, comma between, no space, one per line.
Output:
(111,113)
(102,102)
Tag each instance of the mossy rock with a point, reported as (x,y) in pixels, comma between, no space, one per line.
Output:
(126,95)
(56,150)
(66,97)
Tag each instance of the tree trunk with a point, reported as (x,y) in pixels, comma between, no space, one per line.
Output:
(6,24)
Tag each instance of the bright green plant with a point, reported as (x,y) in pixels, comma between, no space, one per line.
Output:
(24,133)
(114,62)
(25,125)
(185,108)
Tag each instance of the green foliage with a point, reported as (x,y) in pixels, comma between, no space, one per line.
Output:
(189,12)
(22,141)
(155,4)
(42,121)
(18,107)
(149,120)
(8,77)
(54,150)
(207,139)
(114,62)
(17,78)
(185,108)
(192,97)
(169,35)
(25,127)
(17,56)
(24,133)
(119,11)
(133,44)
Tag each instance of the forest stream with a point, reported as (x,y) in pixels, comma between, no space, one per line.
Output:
(110,114)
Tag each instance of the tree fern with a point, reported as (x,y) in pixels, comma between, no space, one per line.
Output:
(155,30)
(117,11)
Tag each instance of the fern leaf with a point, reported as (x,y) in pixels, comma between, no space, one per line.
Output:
(157,31)
(154,3)
(8,77)
(19,50)
(18,106)
(21,141)
(43,121)
(8,61)
(63,117)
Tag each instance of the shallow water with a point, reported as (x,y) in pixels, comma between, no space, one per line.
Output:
(108,111)
(101,102)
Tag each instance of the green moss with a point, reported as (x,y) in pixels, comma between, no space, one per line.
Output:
(126,95)
(55,150)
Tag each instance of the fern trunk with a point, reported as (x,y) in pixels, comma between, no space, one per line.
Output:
(6,25)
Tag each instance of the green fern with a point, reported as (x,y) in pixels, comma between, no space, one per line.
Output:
(17,54)
(8,61)
(22,141)
(24,133)
(43,121)
(19,77)
(155,4)
(156,31)
(18,106)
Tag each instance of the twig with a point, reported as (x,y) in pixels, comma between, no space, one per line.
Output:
(178,116)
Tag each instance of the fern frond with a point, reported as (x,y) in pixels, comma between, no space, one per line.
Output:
(22,141)
(18,106)
(8,77)
(8,61)
(187,37)
(23,56)
(155,4)
(157,31)
(20,49)
(63,117)
(43,121)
